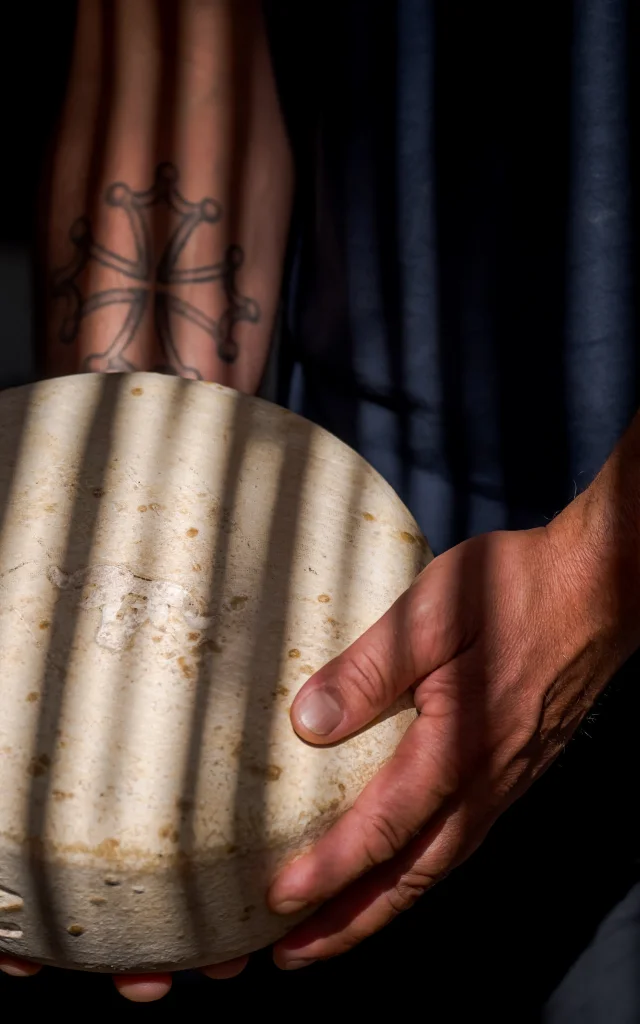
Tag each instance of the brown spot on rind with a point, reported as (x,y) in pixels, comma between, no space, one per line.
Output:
(75,929)
(39,765)
(368,517)
(306,670)
(192,532)
(98,492)
(282,691)
(10,902)
(324,598)
(32,697)
(170,833)
(107,848)
(98,901)
(187,669)
(44,624)
(294,653)
(210,646)
(238,602)
(272,772)
(423,545)
(330,807)
(193,637)
(59,794)
(408,538)
(142,508)
(136,392)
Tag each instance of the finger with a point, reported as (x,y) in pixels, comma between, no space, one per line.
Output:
(375,900)
(142,988)
(18,968)
(358,685)
(229,969)
(398,802)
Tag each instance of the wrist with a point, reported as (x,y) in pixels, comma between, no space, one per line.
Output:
(596,550)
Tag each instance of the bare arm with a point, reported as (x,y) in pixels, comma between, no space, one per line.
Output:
(166,211)
(168,195)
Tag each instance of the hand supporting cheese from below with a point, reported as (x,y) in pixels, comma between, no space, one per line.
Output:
(175,561)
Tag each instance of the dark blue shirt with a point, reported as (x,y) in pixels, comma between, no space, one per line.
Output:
(461,303)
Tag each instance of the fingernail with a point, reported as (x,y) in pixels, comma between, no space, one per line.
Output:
(290,906)
(295,965)
(319,712)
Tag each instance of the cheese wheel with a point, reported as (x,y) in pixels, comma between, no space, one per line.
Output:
(175,561)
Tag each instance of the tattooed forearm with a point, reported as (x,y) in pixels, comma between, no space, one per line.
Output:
(158,281)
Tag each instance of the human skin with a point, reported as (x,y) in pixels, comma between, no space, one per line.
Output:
(505,642)
(165,212)
(167,198)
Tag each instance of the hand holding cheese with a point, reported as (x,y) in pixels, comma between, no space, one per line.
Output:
(175,560)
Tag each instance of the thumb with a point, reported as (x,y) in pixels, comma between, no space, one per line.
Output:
(363,681)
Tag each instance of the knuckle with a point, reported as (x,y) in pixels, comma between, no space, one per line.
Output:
(409,889)
(363,676)
(383,839)
(419,607)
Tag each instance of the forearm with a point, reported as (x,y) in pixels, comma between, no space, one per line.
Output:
(169,194)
